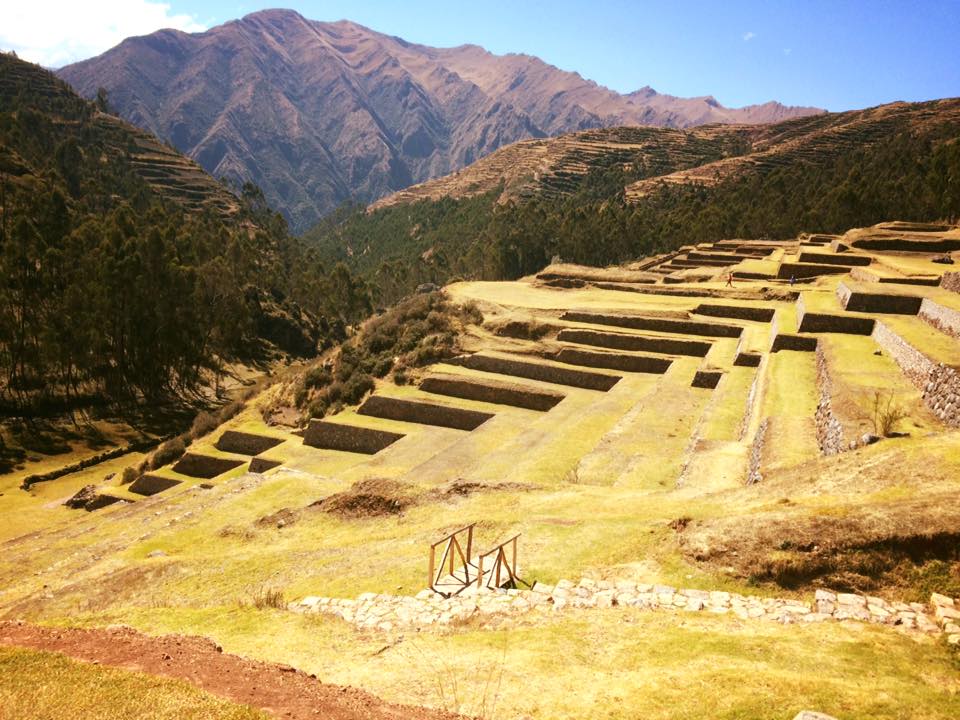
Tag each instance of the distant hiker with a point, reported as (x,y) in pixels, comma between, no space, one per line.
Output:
(793,280)
(729,279)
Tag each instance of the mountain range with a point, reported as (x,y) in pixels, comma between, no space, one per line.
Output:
(319,113)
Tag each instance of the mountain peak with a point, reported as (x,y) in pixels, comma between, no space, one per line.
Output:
(317,113)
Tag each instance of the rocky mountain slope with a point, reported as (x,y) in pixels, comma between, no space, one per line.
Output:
(316,113)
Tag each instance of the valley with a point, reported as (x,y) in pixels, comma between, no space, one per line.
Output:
(682,459)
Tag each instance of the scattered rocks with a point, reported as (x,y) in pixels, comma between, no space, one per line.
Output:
(156,554)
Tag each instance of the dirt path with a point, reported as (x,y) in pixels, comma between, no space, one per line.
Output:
(278,690)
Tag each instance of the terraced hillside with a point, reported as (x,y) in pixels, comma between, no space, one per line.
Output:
(707,155)
(732,467)
(553,167)
(168,173)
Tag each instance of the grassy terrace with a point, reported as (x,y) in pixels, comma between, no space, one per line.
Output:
(623,663)
(858,374)
(35,684)
(790,401)
(933,343)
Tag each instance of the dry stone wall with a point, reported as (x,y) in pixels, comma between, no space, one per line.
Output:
(348,438)
(205,466)
(756,453)
(492,392)
(427,609)
(613,360)
(941,317)
(423,413)
(538,371)
(829,428)
(939,383)
(243,443)
(951,281)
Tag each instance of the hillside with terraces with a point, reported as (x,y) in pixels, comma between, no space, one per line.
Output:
(748,448)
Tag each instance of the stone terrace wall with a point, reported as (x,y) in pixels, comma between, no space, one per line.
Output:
(941,317)
(349,438)
(896,304)
(423,413)
(940,384)
(622,341)
(829,428)
(243,443)
(205,466)
(152,484)
(538,371)
(740,312)
(951,281)
(638,322)
(492,392)
(756,454)
(614,361)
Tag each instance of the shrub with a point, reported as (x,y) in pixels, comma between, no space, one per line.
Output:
(130,474)
(230,410)
(886,413)
(317,377)
(400,376)
(203,424)
(167,453)
(264,598)
(356,387)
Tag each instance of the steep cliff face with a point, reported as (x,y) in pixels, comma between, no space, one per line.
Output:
(316,113)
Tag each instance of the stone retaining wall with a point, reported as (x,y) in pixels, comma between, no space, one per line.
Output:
(492,392)
(739,312)
(152,484)
(747,359)
(951,281)
(787,341)
(831,259)
(828,323)
(261,465)
(638,322)
(829,428)
(622,341)
(706,379)
(613,361)
(756,453)
(941,317)
(890,303)
(804,270)
(243,443)
(428,609)
(423,413)
(537,371)
(204,466)
(939,383)
(349,438)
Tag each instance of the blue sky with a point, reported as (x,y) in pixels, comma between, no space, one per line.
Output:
(838,55)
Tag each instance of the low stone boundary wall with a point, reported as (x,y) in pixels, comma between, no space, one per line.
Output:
(831,259)
(941,317)
(423,413)
(139,446)
(706,379)
(261,465)
(204,466)
(639,322)
(890,303)
(152,484)
(622,341)
(348,438)
(243,443)
(829,428)
(950,281)
(739,312)
(939,383)
(428,609)
(538,371)
(492,392)
(613,360)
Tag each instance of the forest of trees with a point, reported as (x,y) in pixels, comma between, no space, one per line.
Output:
(904,175)
(111,294)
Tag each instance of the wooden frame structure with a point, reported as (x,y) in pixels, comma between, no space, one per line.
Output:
(457,570)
